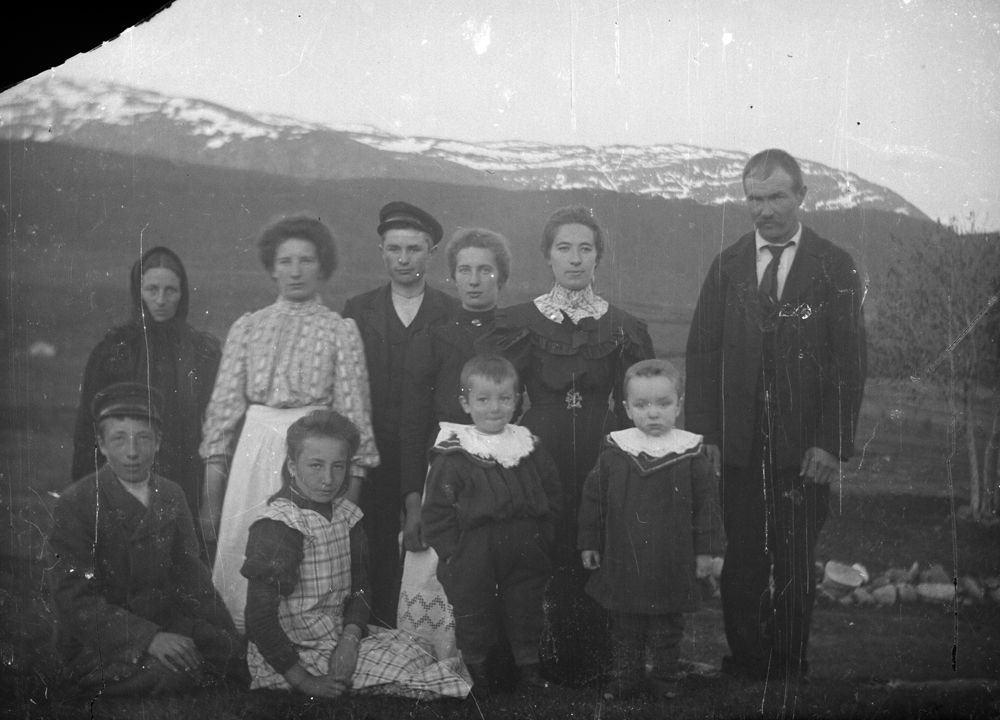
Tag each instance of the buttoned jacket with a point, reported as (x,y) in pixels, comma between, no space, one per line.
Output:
(371,311)
(817,341)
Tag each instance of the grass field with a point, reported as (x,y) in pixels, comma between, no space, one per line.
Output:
(907,661)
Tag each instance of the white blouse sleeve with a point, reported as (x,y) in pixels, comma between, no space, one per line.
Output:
(351,397)
(229,400)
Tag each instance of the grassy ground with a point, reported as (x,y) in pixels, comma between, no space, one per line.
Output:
(895,506)
(907,661)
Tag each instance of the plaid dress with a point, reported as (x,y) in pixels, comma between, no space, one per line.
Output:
(389,661)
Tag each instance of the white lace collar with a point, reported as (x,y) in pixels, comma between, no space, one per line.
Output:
(508,447)
(576,304)
(635,442)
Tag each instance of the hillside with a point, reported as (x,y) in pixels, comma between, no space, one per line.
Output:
(78,219)
(115,118)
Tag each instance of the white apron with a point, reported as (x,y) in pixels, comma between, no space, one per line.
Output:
(255,476)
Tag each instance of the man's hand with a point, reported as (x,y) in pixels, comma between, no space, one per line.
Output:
(312,685)
(591,559)
(819,466)
(177,652)
(715,457)
(413,536)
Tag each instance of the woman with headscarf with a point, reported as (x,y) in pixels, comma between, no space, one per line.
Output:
(279,363)
(572,369)
(158,348)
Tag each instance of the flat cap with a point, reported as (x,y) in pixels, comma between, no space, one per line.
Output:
(399,214)
(128,399)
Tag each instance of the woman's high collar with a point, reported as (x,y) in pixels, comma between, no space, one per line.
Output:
(299,308)
(476,318)
(574,304)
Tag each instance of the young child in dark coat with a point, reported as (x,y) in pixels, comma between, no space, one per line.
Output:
(489,513)
(649,526)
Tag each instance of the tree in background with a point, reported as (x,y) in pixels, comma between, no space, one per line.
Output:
(936,325)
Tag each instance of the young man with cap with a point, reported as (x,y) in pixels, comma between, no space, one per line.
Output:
(388,318)
(136,608)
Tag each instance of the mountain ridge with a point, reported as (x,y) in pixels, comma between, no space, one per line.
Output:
(94,114)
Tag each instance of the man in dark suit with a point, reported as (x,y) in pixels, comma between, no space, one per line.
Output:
(776,362)
(388,319)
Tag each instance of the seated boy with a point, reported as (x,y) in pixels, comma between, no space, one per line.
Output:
(489,513)
(136,608)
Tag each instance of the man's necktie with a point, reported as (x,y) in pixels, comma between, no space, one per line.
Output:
(769,283)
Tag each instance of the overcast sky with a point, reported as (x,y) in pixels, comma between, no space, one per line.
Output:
(906,93)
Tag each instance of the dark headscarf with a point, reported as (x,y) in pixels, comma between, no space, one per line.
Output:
(171,356)
(158,257)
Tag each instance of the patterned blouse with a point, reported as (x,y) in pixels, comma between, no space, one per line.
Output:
(290,355)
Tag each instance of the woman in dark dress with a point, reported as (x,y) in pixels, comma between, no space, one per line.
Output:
(479,262)
(156,347)
(578,349)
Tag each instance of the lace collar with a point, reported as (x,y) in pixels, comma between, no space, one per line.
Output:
(635,442)
(575,304)
(506,448)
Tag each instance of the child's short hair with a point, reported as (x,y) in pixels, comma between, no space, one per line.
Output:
(318,423)
(492,367)
(655,368)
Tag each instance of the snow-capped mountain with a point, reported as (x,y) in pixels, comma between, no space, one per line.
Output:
(116,118)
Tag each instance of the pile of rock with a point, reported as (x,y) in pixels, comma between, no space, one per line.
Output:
(852,585)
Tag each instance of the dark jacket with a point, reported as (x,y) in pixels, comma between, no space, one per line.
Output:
(649,517)
(371,311)
(121,572)
(465,492)
(173,357)
(431,389)
(819,353)
(573,375)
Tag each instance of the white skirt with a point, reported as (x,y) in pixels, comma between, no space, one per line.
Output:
(254,476)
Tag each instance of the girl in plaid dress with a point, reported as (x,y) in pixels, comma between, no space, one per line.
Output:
(306,566)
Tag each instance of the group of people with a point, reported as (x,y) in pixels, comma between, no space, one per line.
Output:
(532,449)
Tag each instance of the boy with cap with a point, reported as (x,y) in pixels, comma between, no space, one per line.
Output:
(136,608)
(388,318)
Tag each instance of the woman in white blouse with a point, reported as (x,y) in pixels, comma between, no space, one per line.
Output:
(278,364)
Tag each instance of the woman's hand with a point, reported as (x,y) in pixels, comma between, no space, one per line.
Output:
(345,658)
(413,537)
(314,685)
(212,494)
(703,566)
(714,456)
